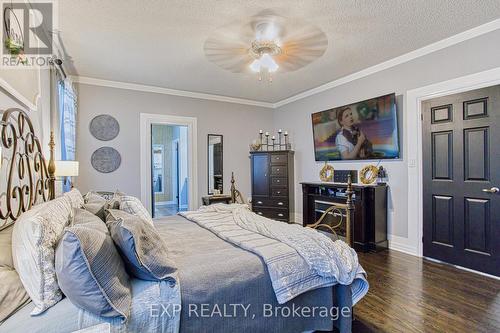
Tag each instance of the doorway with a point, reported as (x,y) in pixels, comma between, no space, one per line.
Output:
(168,164)
(461,195)
(169,169)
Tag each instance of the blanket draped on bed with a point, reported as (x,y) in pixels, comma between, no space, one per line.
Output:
(298,259)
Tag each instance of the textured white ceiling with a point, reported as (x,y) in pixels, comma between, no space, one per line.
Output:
(160,43)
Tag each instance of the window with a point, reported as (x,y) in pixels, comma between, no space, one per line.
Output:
(67,112)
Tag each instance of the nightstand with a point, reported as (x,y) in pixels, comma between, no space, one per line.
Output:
(213,199)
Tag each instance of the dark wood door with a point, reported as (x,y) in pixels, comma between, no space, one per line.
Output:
(260,174)
(461,177)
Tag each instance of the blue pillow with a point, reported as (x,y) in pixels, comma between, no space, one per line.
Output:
(89,269)
(141,247)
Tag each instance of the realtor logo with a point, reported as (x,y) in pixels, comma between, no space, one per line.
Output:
(27,37)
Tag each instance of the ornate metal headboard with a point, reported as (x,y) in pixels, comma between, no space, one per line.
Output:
(236,196)
(340,210)
(26,178)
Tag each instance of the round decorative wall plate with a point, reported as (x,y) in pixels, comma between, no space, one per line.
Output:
(104,127)
(326,173)
(106,159)
(368,174)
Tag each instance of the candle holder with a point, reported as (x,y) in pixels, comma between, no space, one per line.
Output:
(279,143)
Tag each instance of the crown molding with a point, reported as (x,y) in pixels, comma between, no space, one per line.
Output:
(17,96)
(167,91)
(439,45)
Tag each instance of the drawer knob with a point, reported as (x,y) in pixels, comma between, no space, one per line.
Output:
(280,215)
(260,213)
(259,202)
(277,158)
(277,181)
(278,192)
(280,204)
(278,169)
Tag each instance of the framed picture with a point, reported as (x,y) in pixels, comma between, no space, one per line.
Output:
(366,130)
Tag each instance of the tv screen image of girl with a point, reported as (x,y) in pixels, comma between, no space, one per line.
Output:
(363,130)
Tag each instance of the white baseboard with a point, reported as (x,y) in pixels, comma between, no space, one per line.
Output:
(400,244)
(165,203)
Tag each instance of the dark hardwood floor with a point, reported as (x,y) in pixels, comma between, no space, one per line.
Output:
(410,294)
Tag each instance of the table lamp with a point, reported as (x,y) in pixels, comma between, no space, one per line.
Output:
(67,169)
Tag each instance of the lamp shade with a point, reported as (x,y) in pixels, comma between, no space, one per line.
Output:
(66,168)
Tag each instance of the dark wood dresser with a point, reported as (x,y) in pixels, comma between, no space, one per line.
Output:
(369,226)
(273,184)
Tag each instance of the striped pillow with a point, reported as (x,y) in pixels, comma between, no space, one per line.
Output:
(133,206)
(141,247)
(75,197)
(87,254)
(96,204)
(34,240)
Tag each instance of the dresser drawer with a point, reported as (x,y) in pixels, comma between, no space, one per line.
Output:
(278,158)
(272,213)
(279,181)
(279,192)
(278,170)
(268,202)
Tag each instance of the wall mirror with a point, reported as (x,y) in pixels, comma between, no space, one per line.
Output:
(215,170)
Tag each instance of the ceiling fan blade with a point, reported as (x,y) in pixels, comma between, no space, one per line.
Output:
(300,47)
(228,54)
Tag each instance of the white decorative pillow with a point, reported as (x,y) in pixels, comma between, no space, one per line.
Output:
(75,197)
(133,206)
(34,239)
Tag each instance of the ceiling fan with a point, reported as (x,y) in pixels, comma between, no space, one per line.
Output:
(264,44)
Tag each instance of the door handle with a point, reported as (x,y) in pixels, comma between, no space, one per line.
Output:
(491,190)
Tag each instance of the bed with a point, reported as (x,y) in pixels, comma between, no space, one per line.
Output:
(223,287)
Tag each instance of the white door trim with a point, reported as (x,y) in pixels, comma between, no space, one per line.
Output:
(174,179)
(414,145)
(146,120)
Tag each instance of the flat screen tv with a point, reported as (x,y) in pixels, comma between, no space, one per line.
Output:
(366,130)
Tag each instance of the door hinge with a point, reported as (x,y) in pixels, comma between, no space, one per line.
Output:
(421,116)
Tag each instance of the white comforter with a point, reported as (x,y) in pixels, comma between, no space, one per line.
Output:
(299,259)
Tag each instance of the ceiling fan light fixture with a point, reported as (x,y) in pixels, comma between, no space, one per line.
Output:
(268,62)
(277,43)
(265,63)
(255,66)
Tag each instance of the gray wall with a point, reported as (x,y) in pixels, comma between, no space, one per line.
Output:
(239,124)
(469,57)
